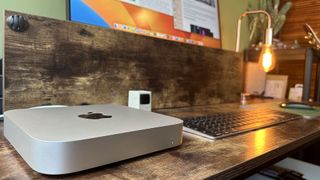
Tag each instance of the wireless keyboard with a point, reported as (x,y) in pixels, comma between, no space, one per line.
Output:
(225,124)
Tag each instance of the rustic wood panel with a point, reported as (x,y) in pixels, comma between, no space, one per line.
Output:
(196,158)
(59,62)
(303,11)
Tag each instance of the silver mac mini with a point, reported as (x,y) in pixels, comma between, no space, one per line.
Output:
(64,140)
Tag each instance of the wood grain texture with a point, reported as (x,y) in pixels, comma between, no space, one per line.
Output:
(196,158)
(303,11)
(59,62)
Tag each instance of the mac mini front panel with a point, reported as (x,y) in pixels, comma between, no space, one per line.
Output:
(57,141)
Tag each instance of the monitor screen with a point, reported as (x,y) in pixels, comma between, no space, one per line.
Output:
(186,21)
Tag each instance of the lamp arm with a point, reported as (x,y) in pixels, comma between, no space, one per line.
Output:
(268,38)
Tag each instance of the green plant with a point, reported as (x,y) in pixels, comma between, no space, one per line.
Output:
(258,22)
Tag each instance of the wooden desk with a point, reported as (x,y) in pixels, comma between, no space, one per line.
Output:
(196,158)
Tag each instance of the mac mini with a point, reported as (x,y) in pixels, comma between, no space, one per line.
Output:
(64,140)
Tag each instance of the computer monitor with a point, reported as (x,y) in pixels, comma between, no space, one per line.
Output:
(186,21)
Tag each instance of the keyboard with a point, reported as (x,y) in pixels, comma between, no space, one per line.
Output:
(219,125)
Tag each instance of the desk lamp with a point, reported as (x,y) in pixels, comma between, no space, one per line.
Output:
(266,59)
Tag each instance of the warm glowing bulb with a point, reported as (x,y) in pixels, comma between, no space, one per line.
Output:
(267,60)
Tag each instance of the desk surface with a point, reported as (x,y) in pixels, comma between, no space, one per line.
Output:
(196,158)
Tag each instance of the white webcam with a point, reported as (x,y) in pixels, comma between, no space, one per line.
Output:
(140,99)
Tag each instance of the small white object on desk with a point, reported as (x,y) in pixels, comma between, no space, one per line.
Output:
(140,99)
(276,86)
(295,94)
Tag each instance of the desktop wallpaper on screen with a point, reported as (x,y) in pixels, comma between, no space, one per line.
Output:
(186,21)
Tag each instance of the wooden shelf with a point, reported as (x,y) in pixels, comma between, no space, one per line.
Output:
(302,66)
(281,54)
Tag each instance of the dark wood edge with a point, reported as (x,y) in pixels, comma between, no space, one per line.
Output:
(308,73)
(277,159)
(255,54)
(254,165)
